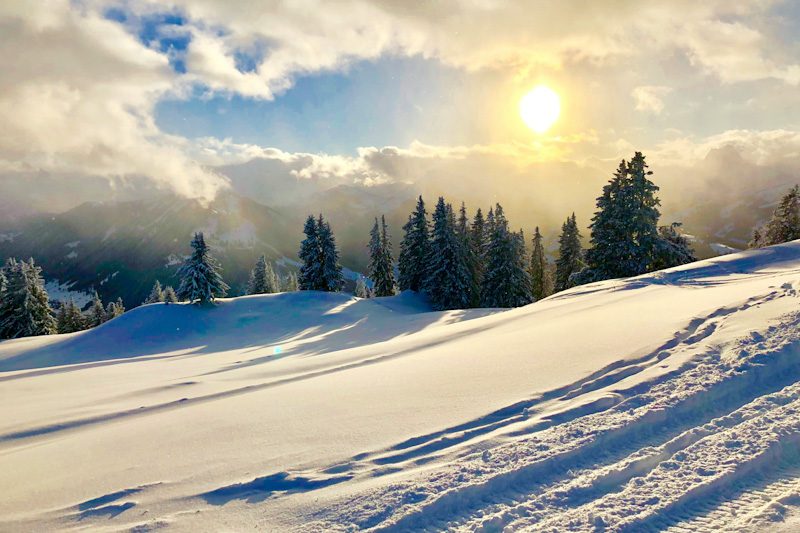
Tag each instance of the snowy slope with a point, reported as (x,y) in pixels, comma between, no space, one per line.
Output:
(670,400)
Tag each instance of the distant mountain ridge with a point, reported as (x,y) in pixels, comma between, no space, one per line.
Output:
(121,248)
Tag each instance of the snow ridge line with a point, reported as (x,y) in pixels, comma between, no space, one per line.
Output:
(532,462)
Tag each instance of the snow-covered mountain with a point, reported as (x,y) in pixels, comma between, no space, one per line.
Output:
(670,401)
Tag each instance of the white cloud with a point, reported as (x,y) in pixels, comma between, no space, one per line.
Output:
(77,95)
(649,98)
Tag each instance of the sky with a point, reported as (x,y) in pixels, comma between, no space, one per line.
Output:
(371,92)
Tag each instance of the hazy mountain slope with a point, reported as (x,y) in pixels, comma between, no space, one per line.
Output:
(121,248)
(640,404)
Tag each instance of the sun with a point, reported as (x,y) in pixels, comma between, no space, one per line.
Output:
(540,108)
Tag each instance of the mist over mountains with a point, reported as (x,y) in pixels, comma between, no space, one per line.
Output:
(118,237)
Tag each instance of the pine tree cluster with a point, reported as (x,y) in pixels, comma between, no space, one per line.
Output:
(381,263)
(460,264)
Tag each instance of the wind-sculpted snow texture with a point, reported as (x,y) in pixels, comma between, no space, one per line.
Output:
(670,401)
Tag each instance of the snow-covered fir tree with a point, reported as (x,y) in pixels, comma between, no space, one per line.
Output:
(506,281)
(114,309)
(784,226)
(448,278)
(381,264)
(477,243)
(69,318)
(309,256)
(262,278)
(331,277)
(674,248)
(97,313)
(625,237)
(200,274)
(464,232)
(156,294)
(362,291)
(538,267)
(570,254)
(169,295)
(414,250)
(290,283)
(25,308)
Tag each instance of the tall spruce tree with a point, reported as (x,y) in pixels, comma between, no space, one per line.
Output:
(25,309)
(96,313)
(262,278)
(201,278)
(477,243)
(464,232)
(784,226)
(570,254)
(414,250)
(309,256)
(625,236)
(538,269)
(331,278)
(381,264)
(506,281)
(156,294)
(448,277)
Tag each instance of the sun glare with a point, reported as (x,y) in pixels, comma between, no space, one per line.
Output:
(539,108)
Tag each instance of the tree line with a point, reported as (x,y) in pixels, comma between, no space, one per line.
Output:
(456,261)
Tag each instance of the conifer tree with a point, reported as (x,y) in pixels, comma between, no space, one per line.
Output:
(362,291)
(25,309)
(506,281)
(448,277)
(97,313)
(309,256)
(201,278)
(784,226)
(169,295)
(331,276)
(464,232)
(477,243)
(381,267)
(570,254)
(262,278)
(69,318)
(674,248)
(538,269)
(414,250)
(625,237)
(156,294)
(290,283)
(114,309)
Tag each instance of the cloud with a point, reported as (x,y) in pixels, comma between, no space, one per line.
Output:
(77,94)
(78,91)
(649,98)
(299,38)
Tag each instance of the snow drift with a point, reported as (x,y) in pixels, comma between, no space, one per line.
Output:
(662,401)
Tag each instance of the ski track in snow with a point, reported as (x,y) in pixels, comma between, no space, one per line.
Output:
(569,476)
(699,433)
